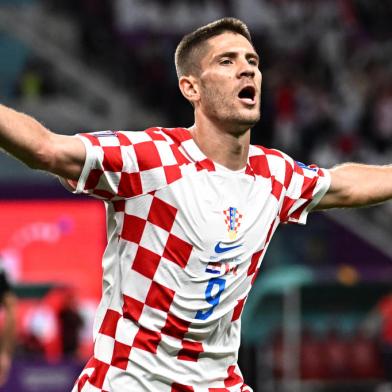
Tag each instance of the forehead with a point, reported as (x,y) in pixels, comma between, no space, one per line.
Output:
(227,42)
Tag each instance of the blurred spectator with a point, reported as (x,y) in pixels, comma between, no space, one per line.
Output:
(70,325)
(379,324)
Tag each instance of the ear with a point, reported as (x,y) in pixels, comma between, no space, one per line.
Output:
(189,87)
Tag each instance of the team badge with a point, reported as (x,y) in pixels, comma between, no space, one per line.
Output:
(233,220)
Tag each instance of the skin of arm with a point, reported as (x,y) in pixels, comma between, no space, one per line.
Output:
(29,141)
(7,340)
(357,185)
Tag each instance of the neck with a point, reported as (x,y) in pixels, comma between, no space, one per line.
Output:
(223,144)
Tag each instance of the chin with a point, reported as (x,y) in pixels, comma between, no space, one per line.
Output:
(248,121)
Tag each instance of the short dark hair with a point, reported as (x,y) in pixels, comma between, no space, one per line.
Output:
(187,56)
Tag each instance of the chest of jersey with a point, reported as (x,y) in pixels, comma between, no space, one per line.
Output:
(197,238)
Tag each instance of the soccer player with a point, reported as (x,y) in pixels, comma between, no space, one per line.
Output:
(191,212)
(7,334)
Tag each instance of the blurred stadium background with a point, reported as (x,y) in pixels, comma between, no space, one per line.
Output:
(319,318)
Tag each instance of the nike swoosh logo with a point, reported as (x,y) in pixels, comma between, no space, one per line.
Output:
(219,249)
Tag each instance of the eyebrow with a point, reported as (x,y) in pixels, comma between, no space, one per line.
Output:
(235,54)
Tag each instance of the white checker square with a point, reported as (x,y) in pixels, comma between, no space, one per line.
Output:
(139,206)
(295,187)
(136,285)
(109,182)
(277,167)
(169,274)
(153,179)
(129,159)
(127,250)
(103,349)
(137,137)
(109,141)
(98,156)
(154,238)
(166,153)
(153,319)
(255,151)
(126,331)
(90,388)
(112,374)
(194,151)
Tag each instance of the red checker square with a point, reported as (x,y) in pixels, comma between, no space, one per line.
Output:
(175,326)
(254,261)
(147,340)
(233,378)
(119,205)
(172,173)
(147,156)
(205,164)
(177,250)
(260,166)
(97,377)
(130,185)
(297,213)
(104,194)
(298,169)
(308,187)
(190,351)
(109,323)
(93,139)
(288,174)
(93,179)
(162,214)
(277,188)
(181,388)
(132,308)
(146,262)
(180,158)
(254,277)
(159,297)
(112,159)
(179,135)
(133,228)
(124,141)
(273,152)
(154,134)
(287,204)
(238,309)
(121,353)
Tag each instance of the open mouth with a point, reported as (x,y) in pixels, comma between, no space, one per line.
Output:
(247,95)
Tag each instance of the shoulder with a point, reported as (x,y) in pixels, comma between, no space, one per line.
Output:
(268,161)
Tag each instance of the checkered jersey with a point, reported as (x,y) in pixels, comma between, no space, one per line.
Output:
(186,238)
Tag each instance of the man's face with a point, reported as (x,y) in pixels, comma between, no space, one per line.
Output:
(230,82)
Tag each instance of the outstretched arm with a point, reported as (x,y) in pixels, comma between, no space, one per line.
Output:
(36,146)
(357,185)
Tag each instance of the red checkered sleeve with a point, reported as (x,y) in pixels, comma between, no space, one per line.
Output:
(121,165)
(296,187)
(303,188)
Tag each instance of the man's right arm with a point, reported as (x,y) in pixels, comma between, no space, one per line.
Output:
(29,141)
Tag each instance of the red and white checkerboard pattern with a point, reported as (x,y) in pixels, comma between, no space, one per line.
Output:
(160,190)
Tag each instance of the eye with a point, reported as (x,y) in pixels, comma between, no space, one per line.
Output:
(253,62)
(225,61)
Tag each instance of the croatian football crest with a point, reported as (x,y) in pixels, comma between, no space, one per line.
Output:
(233,220)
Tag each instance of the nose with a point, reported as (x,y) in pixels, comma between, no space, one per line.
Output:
(246,70)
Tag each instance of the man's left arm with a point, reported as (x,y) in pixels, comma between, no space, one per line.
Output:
(357,185)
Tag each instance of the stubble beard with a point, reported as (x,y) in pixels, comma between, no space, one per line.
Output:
(224,110)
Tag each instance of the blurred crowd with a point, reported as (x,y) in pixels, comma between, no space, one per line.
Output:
(327,89)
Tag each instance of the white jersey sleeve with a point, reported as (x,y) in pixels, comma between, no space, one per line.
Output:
(297,187)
